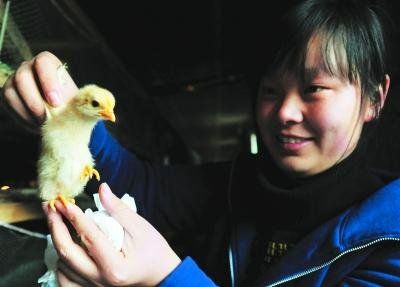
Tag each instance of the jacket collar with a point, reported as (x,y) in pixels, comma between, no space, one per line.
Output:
(357,227)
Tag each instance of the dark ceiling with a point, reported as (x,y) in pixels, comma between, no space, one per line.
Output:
(196,60)
(173,42)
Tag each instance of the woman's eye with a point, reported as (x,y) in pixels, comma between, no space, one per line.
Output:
(268,93)
(313,89)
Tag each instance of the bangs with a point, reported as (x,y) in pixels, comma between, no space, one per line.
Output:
(349,48)
(335,59)
(331,46)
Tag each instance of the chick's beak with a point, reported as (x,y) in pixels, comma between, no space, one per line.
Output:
(108,114)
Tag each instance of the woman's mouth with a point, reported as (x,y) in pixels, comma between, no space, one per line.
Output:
(291,143)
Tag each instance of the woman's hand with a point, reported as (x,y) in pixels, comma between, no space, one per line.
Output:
(145,258)
(40,79)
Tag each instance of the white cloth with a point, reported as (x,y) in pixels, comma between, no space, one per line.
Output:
(49,279)
(110,227)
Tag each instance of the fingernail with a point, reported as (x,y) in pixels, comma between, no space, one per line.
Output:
(54,98)
(106,191)
(61,207)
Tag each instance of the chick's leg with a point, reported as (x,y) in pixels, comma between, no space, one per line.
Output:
(88,172)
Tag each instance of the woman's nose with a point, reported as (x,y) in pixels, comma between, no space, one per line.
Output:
(290,109)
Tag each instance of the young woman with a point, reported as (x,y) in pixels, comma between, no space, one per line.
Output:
(307,211)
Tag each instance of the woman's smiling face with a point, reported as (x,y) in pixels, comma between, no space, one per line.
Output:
(309,123)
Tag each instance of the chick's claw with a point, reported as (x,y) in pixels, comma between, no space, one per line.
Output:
(65,200)
(96,173)
(88,172)
(62,199)
(52,204)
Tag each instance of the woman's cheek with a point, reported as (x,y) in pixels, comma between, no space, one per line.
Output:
(333,130)
(264,111)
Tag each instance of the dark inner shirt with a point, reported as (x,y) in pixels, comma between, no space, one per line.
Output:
(287,209)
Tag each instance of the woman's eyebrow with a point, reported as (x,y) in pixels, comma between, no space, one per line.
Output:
(310,73)
(313,72)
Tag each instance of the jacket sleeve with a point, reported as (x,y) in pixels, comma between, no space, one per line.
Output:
(115,163)
(380,268)
(173,198)
(187,274)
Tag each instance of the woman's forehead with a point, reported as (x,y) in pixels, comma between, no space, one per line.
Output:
(305,75)
(321,56)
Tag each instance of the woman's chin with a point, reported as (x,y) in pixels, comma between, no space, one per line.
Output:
(297,167)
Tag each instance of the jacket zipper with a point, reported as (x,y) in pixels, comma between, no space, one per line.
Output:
(318,267)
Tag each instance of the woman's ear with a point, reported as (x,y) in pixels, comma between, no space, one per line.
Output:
(373,110)
(383,90)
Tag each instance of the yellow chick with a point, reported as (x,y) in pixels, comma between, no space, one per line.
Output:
(65,164)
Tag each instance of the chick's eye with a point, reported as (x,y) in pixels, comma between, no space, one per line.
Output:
(95,103)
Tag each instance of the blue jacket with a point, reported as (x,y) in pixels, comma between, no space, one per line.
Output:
(360,247)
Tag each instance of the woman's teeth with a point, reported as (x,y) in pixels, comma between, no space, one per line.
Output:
(290,139)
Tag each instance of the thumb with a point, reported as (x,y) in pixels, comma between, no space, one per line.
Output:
(56,83)
(116,207)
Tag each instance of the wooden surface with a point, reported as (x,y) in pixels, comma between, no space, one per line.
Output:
(23,204)
(17,205)
(12,212)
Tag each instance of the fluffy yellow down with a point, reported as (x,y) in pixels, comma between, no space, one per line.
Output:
(65,164)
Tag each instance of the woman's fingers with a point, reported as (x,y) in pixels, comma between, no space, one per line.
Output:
(55,82)
(69,278)
(97,244)
(65,281)
(118,209)
(28,91)
(145,258)
(68,250)
(144,247)
(36,82)
(13,103)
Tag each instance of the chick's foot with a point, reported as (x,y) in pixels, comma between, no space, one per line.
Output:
(88,172)
(62,199)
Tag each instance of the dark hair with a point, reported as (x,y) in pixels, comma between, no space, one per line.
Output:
(353,30)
